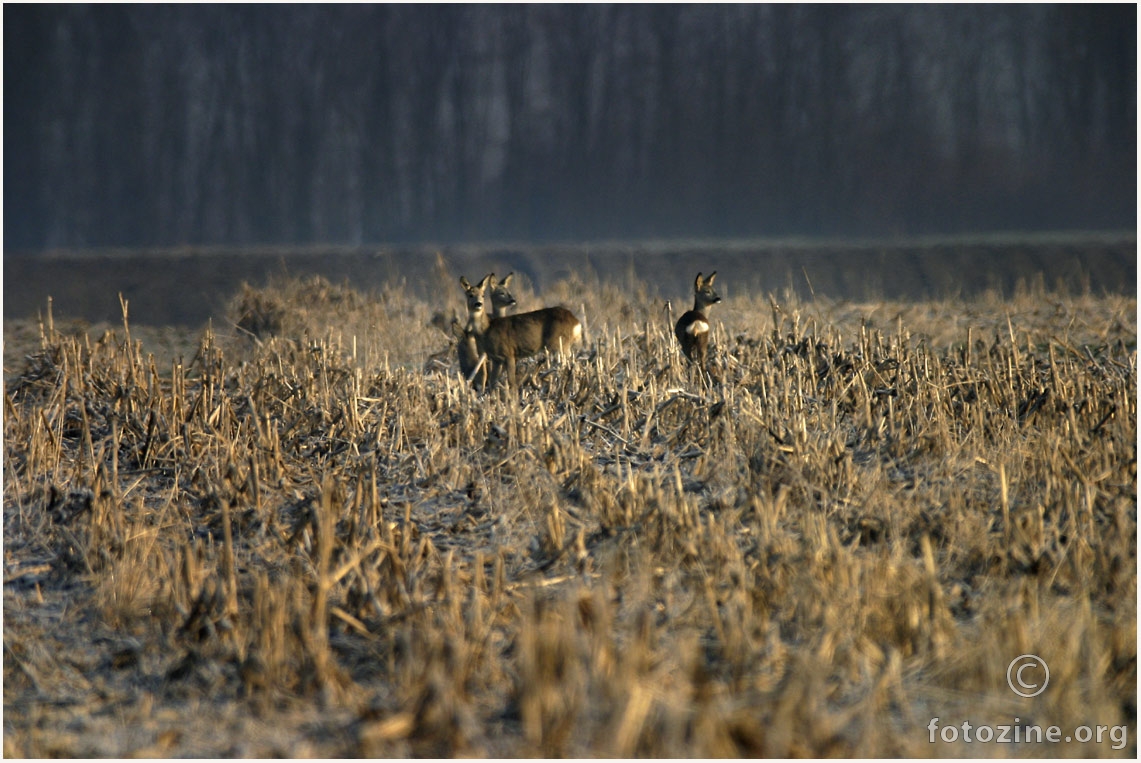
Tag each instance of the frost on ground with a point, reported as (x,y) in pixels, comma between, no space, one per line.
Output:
(301,533)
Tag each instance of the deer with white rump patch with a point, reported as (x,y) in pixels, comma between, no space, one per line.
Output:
(505,339)
(692,329)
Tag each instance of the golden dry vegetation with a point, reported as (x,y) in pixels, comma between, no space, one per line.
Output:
(310,537)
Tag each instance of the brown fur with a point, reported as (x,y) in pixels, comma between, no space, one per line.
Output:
(504,340)
(695,343)
(467,349)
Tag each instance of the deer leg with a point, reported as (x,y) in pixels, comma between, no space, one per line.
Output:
(493,372)
(478,375)
(511,372)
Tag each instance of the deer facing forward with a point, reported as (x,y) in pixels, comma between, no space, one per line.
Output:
(467,350)
(692,329)
(505,339)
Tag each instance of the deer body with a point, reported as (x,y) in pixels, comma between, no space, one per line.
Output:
(520,336)
(505,339)
(467,353)
(692,329)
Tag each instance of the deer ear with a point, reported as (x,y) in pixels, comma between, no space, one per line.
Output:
(489,277)
(507,279)
(697,282)
(464,282)
(710,279)
(492,281)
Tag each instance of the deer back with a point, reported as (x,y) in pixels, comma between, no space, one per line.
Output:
(551,328)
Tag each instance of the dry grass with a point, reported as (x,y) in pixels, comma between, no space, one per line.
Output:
(313,539)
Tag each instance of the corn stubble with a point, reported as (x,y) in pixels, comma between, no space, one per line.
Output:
(315,541)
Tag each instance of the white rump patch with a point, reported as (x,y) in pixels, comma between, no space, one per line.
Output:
(697,327)
(577,332)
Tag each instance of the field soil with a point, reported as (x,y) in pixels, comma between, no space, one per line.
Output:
(282,524)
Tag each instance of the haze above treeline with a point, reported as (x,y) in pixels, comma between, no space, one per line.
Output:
(170,125)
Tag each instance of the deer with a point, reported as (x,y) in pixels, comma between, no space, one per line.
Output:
(692,329)
(467,351)
(504,339)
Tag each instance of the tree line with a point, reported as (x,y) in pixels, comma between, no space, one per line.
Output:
(158,125)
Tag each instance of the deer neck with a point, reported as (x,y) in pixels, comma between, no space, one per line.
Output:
(478,322)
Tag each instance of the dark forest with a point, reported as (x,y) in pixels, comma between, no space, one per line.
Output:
(171,125)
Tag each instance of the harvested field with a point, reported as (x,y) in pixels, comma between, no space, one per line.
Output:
(303,534)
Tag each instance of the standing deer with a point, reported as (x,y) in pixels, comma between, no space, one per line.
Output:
(467,351)
(692,329)
(505,339)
